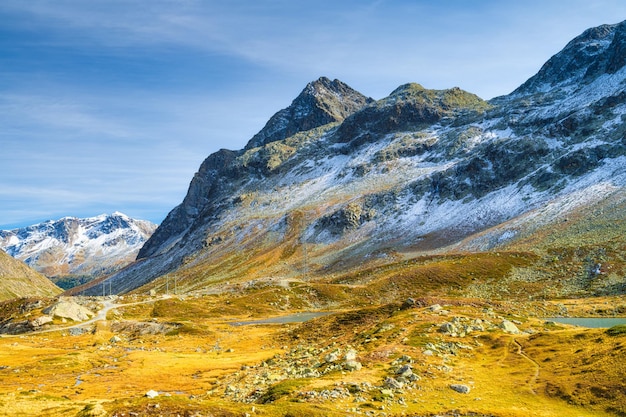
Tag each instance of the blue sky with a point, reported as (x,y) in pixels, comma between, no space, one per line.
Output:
(112,105)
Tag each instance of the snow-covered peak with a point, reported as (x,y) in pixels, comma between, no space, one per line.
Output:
(72,245)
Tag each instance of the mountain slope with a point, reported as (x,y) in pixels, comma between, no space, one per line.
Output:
(420,171)
(72,246)
(18,280)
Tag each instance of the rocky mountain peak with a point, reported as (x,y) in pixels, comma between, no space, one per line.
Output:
(597,51)
(88,246)
(321,102)
(410,106)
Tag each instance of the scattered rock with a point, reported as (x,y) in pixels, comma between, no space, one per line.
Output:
(115,339)
(331,357)
(405,371)
(393,383)
(509,327)
(460,388)
(40,321)
(152,394)
(77,331)
(352,365)
(409,303)
(350,355)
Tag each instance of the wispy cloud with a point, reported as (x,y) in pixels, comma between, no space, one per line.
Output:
(112,105)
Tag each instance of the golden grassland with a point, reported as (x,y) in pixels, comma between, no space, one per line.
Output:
(548,370)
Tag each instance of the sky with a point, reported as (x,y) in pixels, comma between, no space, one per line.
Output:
(112,105)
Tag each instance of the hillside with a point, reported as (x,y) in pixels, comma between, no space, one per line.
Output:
(17,280)
(416,173)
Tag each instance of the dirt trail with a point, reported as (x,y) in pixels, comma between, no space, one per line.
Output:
(533,380)
(108,305)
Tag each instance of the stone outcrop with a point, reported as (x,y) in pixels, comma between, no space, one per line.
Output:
(67,309)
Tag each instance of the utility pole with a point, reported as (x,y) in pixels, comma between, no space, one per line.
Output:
(103,288)
(305,265)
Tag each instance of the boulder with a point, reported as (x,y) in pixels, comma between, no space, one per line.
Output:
(509,327)
(152,394)
(460,388)
(350,355)
(40,321)
(332,357)
(352,365)
(77,331)
(405,371)
(67,309)
(393,383)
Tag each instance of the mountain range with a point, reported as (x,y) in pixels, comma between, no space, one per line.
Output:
(75,247)
(338,181)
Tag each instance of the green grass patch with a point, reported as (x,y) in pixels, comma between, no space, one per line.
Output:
(619,330)
(281,390)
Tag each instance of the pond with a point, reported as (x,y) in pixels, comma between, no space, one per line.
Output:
(292,318)
(590,322)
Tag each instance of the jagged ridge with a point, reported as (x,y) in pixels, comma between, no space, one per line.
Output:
(71,246)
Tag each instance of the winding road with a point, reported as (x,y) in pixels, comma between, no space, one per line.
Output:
(101,315)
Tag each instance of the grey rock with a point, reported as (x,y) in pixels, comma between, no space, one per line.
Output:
(509,327)
(393,383)
(77,331)
(405,371)
(70,310)
(352,365)
(460,388)
(40,321)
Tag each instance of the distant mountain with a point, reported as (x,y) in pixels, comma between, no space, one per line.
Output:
(17,280)
(88,247)
(317,192)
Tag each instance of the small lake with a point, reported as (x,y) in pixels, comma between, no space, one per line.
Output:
(292,318)
(590,322)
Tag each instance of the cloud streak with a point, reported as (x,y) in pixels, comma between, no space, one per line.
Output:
(113,105)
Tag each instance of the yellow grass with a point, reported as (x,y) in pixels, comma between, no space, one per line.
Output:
(555,371)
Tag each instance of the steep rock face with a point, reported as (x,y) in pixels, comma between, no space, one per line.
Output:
(18,280)
(417,172)
(72,246)
(321,102)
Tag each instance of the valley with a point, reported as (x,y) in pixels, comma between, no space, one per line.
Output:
(426,356)
(434,238)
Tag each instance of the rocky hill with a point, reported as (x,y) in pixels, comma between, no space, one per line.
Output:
(337,181)
(18,280)
(71,246)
